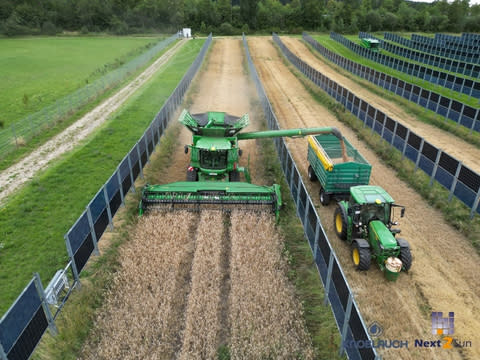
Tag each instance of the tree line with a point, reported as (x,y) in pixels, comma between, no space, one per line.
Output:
(229,17)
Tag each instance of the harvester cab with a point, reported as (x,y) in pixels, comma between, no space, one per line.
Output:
(213,175)
(365,221)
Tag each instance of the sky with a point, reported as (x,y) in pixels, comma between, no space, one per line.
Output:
(472,2)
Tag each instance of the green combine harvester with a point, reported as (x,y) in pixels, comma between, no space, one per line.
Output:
(213,178)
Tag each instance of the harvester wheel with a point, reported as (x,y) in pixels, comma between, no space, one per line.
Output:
(311,174)
(340,221)
(234,176)
(361,257)
(192,175)
(406,257)
(324,197)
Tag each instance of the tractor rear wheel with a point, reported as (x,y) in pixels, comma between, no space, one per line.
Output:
(324,197)
(340,221)
(234,176)
(406,258)
(311,174)
(192,175)
(361,257)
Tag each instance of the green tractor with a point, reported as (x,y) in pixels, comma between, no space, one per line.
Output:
(365,221)
(213,178)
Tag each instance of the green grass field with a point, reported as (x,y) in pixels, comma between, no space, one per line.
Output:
(343,51)
(33,223)
(34,72)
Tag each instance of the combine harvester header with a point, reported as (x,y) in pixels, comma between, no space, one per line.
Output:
(213,176)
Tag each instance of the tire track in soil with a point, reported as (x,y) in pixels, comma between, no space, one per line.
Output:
(442,277)
(453,145)
(203,321)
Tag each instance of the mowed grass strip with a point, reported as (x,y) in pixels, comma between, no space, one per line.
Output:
(35,72)
(34,221)
(343,51)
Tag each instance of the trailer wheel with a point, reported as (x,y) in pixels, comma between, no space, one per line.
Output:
(234,176)
(406,257)
(192,175)
(361,257)
(311,174)
(324,197)
(340,222)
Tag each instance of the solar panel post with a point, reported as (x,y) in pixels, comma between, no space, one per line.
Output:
(3,356)
(92,231)
(346,320)
(131,173)
(329,277)
(454,182)
(419,154)
(435,167)
(119,178)
(48,314)
(139,160)
(475,205)
(72,260)
(405,143)
(109,211)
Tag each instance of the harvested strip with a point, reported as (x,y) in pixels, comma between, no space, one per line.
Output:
(203,324)
(266,320)
(142,316)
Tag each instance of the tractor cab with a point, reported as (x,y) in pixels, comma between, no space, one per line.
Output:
(368,203)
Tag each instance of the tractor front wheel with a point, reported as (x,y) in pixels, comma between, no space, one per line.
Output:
(406,258)
(340,221)
(361,257)
(324,197)
(311,174)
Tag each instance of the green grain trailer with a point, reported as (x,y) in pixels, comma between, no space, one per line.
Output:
(337,165)
(372,44)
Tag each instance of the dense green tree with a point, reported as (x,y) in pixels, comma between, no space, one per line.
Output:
(18,17)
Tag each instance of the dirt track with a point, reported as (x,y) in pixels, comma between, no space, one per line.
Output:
(18,174)
(444,275)
(210,279)
(462,150)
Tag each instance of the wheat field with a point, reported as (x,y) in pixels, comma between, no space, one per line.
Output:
(190,283)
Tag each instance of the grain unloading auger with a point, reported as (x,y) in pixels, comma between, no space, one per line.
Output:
(213,176)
